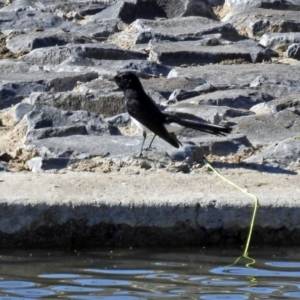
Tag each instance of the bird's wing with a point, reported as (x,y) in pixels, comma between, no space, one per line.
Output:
(148,114)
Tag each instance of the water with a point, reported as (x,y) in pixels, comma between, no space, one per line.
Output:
(136,274)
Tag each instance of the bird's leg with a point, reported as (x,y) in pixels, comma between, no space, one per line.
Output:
(149,147)
(144,135)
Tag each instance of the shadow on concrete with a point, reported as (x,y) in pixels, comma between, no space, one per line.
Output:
(253,166)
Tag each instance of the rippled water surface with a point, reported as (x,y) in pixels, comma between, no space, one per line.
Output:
(131,274)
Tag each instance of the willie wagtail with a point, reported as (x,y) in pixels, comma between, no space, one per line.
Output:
(149,118)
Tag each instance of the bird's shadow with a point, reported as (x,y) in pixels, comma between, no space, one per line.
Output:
(253,166)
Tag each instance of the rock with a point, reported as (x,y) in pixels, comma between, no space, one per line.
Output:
(106,104)
(185,8)
(126,148)
(15,87)
(99,31)
(128,11)
(123,10)
(34,40)
(56,55)
(45,122)
(179,53)
(282,154)
(120,120)
(29,20)
(274,80)
(291,102)
(261,109)
(255,23)
(19,5)
(267,129)
(91,146)
(39,164)
(14,92)
(221,146)
(16,66)
(178,29)
(21,110)
(166,86)
(109,68)
(237,6)
(279,41)
(179,95)
(275,87)
(77,9)
(293,51)
(237,98)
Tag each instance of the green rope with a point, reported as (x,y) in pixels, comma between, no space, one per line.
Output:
(209,166)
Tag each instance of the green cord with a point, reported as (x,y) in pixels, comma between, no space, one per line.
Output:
(209,166)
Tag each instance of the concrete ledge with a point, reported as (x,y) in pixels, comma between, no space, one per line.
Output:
(149,209)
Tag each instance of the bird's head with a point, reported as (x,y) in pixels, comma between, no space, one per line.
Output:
(127,80)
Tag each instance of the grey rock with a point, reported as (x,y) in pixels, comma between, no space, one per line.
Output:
(291,102)
(29,20)
(45,122)
(103,103)
(279,40)
(166,86)
(128,11)
(293,51)
(275,87)
(74,148)
(184,8)
(56,55)
(255,23)
(76,9)
(21,110)
(274,80)
(221,146)
(179,95)
(15,87)
(178,29)
(204,88)
(237,6)
(99,31)
(124,10)
(176,54)
(19,5)
(267,129)
(39,164)
(16,66)
(91,146)
(281,5)
(109,68)
(281,155)
(120,120)
(12,93)
(33,40)
(237,98)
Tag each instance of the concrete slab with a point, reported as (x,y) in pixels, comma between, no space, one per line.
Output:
(149,209)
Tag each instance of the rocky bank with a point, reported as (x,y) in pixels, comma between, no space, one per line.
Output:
(231,62)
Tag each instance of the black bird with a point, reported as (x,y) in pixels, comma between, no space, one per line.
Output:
(145,113)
